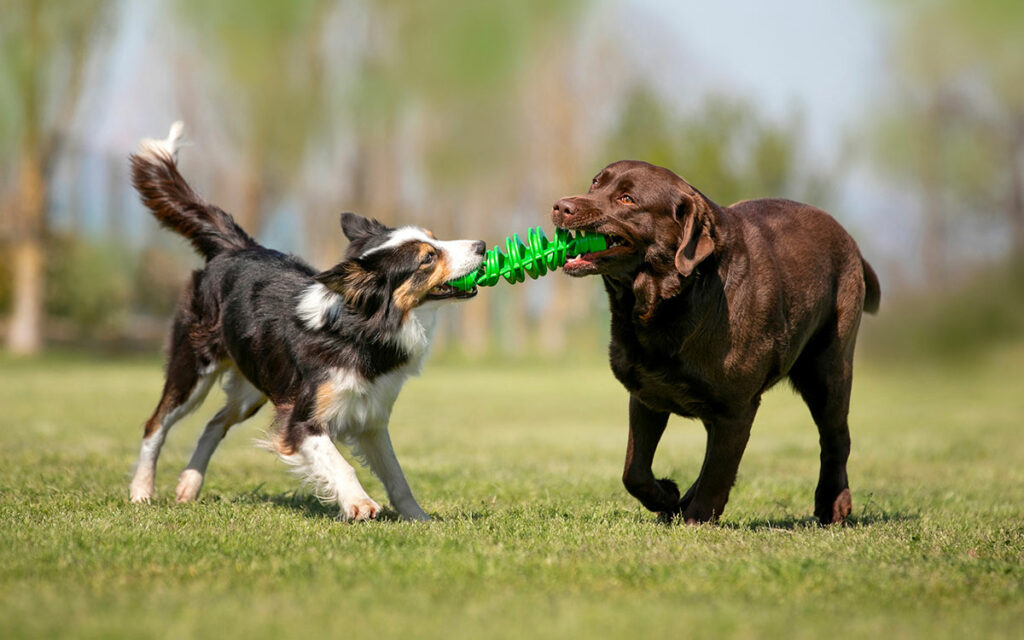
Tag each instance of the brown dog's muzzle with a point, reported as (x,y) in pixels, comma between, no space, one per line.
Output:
(573,213)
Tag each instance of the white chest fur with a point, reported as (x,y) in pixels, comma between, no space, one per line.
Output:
(351,404)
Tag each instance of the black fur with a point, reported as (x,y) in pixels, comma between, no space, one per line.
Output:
(318,345)
(172,201)
(242,305)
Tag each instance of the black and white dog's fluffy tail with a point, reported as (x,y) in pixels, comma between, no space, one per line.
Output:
(172,201)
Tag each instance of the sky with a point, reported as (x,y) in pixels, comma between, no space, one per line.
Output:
(817,58)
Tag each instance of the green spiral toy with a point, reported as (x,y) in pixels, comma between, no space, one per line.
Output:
(534,258)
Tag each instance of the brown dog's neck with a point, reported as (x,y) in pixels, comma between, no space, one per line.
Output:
(649,294)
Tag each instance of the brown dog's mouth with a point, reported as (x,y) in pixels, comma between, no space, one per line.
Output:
(444,291)
(587,263)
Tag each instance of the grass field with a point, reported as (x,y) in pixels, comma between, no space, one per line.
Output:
(533,535)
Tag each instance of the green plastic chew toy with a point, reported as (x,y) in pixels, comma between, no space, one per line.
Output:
(534,258)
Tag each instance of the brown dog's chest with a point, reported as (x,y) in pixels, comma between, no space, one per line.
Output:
(660,381)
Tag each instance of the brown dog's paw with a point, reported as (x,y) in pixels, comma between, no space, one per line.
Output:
(838,511)
(671,505)
(696,513)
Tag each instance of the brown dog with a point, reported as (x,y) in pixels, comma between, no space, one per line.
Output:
(711,306)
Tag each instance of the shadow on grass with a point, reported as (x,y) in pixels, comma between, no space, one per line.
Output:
(305,504)
(792,523)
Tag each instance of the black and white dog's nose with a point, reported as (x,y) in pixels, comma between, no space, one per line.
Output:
(480,247)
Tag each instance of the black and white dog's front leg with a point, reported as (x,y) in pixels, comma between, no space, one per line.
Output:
(375,446)
(311,451)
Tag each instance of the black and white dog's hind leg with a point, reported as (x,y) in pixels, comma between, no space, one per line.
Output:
(189,379)
(243,400)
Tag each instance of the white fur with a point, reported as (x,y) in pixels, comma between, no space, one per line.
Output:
(462,255)
(358,404)
(152,149)
(141,488)
(400,236)
(333,478)
(315,305)
(357,414)
(417,334)
(242,400)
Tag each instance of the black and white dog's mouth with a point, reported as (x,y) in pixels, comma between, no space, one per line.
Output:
(445,291)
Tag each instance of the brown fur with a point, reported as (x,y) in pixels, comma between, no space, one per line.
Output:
(711,306)
(324,398)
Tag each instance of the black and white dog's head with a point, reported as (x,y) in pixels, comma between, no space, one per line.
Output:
(388,272)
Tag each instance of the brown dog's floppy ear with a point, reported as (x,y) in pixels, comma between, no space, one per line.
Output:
(696,243)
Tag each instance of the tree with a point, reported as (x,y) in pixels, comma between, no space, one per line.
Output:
(266,54)
(459,65)
(44,48)
(724,148)
(955,130)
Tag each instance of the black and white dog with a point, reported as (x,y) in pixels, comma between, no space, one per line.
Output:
(330,350)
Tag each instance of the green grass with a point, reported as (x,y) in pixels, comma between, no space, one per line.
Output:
(533,535)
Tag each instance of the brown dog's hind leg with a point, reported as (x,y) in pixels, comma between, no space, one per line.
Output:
(824,378)
(645,428)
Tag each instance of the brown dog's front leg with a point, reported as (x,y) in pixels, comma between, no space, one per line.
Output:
(727,439)
(645,428)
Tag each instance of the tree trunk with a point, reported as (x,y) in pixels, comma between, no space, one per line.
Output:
(24,333)
(1016,205)
(933,232)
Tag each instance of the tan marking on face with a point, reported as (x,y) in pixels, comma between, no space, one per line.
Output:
(430,234)
(413,291)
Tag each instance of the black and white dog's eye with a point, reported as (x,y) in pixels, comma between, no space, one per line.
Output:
(429,259)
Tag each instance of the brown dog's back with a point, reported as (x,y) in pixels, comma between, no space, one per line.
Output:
(813,253)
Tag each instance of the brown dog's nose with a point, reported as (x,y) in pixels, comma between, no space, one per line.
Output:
(564,207)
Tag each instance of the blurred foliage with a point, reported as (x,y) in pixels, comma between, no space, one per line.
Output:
(460,60)
(5,281)
(264,52)
(42,48)
(89,283)
(973,41)
(954,132)
(725,148)
(981,314)
(463,101)
(158,281)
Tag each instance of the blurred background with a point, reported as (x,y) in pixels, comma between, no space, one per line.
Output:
(470,118)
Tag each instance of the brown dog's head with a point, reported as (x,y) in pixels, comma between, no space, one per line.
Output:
(659,228)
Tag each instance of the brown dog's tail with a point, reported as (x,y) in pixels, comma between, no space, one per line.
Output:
(172,201)
(872,291)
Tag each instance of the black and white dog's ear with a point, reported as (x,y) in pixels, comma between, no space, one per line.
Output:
(357,227)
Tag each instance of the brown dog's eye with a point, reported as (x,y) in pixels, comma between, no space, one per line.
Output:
(627,199)
(593,183)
